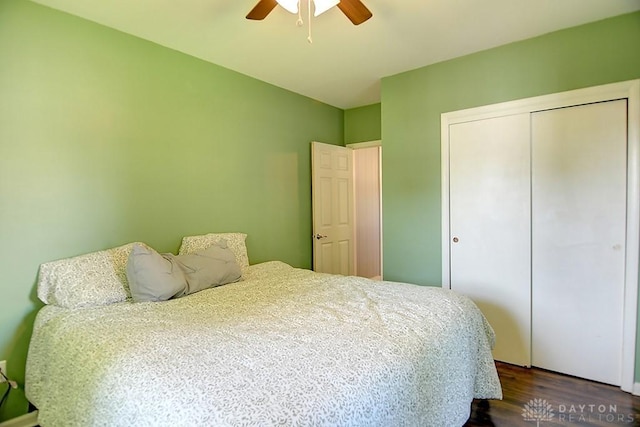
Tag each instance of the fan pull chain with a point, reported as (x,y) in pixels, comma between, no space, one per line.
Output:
(309,39)
(299,22)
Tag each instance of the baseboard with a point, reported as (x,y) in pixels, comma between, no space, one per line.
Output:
(26,420)
(636,389)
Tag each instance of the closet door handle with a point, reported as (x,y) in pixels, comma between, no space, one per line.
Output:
(456,240)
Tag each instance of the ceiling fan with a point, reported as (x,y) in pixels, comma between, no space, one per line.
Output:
(353,9)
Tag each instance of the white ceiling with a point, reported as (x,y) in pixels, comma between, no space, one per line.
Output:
(344,64)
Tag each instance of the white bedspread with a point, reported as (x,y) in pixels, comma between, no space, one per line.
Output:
(283,347)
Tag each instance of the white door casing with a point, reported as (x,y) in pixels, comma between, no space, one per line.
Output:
(629,90)
(332,207)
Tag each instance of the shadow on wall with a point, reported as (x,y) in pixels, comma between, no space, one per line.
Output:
(18,348)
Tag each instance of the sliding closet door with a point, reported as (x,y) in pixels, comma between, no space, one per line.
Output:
(490,223)
(578,239)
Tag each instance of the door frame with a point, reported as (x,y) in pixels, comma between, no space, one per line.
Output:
(357,146)
(629,90)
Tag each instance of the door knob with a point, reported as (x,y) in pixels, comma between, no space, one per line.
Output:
(319,236)
(456,240)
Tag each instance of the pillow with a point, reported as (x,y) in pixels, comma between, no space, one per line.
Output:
(97,278)
(159,277)
(213,266)
(235,241)
(154,277)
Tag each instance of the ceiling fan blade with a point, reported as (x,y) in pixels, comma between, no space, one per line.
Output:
(355,11)
(262,9)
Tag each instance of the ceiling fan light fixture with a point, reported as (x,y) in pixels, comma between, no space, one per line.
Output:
(289,5)
(321,6)
(353,9)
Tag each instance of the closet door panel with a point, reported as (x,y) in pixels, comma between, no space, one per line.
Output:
(490,247)
(578,239)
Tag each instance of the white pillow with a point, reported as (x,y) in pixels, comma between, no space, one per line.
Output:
(235,241)
(97,278)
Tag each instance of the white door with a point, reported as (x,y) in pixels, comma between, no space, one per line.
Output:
(490,223)
(578,236)
(332,205)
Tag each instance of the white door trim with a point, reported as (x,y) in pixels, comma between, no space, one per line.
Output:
(365,144)
(629,90)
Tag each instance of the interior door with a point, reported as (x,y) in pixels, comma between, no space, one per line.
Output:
(578,255)
(332,205)
(490,223)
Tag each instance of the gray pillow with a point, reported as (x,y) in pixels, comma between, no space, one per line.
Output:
(211,267)
(152,276)
(159,277)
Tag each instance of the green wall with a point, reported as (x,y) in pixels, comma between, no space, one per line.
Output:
(363,124)
(107,139)
(588,55)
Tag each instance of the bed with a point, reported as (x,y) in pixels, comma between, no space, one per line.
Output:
(282,346)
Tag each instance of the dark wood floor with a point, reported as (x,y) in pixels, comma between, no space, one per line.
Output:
(561,401)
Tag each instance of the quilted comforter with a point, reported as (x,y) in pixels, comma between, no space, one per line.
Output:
(285,346)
